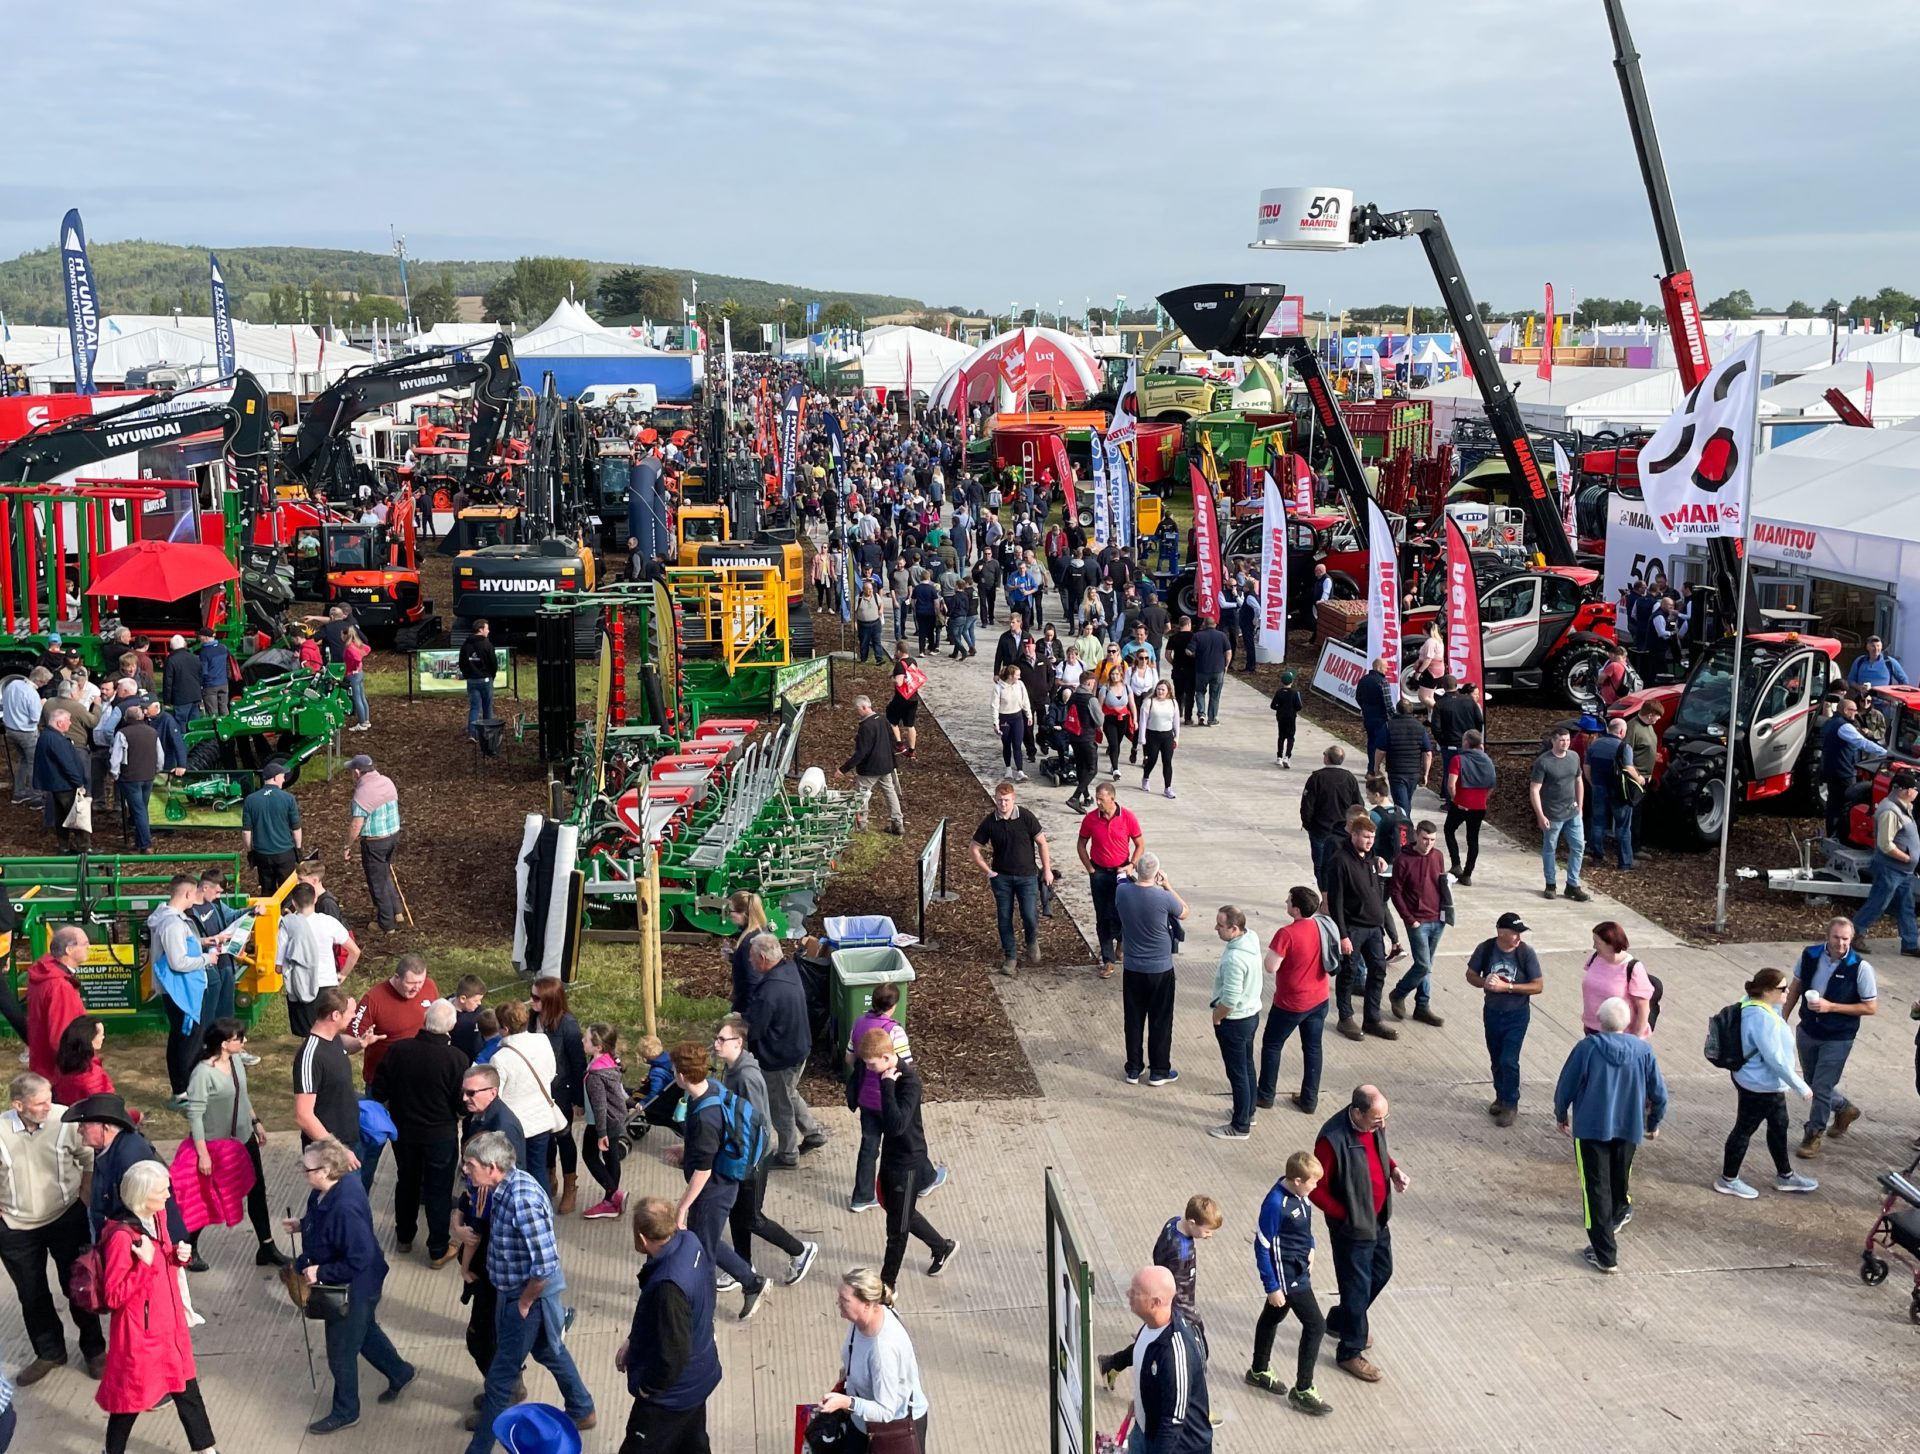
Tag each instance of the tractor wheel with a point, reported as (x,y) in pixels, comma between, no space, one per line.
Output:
(1705,812)
(1184,598)
(1575,672)
(206,755)
(265,665)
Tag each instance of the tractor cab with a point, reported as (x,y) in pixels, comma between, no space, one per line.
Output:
(1542,628)
(479,526)
(1775,741)
(698,525)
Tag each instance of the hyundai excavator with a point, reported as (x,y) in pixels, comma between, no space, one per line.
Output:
(504,584)
(374,568)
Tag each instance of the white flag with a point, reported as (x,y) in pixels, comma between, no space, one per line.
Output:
(1563,476)
(1695,471)
(1383,595)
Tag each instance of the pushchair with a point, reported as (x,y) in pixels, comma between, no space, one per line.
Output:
(1897,1229)
(1051,734)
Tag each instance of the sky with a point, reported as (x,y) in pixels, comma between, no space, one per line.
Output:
(1044,152)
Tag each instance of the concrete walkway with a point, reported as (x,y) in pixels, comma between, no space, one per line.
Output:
(1735,1325)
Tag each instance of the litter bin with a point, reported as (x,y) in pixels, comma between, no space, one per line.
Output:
(855,973)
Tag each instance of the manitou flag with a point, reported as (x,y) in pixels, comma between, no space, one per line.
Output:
(1383,595)
(1302,485)
(1695,471)
(1545,371)
(1867,403)
(83,303)
(1463,608)
(960,396)
(1563,476)
(1206,547)
(1102,505)
(1273,572)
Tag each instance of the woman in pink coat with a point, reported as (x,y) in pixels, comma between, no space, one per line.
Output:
(149,1351)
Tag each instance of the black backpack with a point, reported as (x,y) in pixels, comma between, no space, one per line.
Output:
(1726,1046)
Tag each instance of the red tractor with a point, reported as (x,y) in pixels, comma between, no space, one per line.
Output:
(1539,628)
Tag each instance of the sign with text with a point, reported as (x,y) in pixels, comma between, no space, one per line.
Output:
(1337,674)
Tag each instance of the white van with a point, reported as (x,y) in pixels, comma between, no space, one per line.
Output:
(628,398)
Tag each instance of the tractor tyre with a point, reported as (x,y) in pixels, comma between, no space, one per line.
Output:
(207,755)
(799,631)
(1575,672)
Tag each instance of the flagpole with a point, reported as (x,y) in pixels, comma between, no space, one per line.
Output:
(1739,641)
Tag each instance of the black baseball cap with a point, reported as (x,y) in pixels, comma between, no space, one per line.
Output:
(1511,922)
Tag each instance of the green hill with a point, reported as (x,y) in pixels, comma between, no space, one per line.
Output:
(144,277)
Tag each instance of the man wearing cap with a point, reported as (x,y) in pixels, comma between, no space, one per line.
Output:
(1896,847)
(669,1357)
(44,1164)
(270,827)
(1875,668)
(375,826)
(1507,970)
(109,1133)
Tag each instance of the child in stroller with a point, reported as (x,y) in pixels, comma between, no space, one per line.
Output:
(1054,741)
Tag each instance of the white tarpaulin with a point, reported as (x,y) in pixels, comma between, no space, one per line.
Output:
(272,353)
(1582,399)
(570,332)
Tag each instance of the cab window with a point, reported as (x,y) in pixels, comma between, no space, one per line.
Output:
(1509,601)
(1559,596)
(1787,690)
(1906,736)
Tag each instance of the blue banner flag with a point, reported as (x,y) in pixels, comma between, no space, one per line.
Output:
(1102,503)
(789,440)
(83,303)
(223,354)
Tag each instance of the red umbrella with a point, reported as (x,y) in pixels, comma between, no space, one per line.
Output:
(160,570)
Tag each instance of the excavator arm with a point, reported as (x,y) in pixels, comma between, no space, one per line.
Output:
(91,439)
(1538,502)
(321,454)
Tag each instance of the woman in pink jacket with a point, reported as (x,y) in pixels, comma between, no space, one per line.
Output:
(149,1350)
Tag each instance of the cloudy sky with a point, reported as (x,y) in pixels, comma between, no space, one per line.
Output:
(986,153)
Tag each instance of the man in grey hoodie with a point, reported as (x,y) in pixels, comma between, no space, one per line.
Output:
(173,947)
(740,1073)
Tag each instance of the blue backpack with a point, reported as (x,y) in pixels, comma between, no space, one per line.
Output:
(743,1144)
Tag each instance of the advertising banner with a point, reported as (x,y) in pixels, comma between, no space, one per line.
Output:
(1695,470)
(83,303)
(789,440)
(1273,573)
(1337,674)
(224,357)
(1206,547)
(1102,505)
(1383,595)
(1464,661)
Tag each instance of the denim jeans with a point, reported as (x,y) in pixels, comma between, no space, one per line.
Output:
(1323,846)
(1312,1025)
(479,703)
(1599,816)
(1401,789)
(1362,1270)
(1506,1032)
(537,1335)
(1365,968)
(1821,1062)
(868,642)
(359,1335)
(1422,941)
(707,1219)
(1236,1054)
(357,686)
(135,797)
(1892,888)
(1206,687)
(1104,883)
(1007,887)
(184,712)
(1576,849)
(1622,832)
(963,628)
(1447,756)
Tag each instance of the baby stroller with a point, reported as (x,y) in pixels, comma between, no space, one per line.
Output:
(1898,1230)
(1051,734)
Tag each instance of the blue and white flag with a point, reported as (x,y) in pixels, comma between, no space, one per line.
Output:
(83,303)
(223,355)
(1120,494)
(1102,505)
(789,440)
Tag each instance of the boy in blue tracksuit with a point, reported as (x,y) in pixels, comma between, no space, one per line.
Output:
(1283,1251)
(1173,1249)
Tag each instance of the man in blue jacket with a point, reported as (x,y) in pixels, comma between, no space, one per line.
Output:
(1875,668)
(1169,1375)
(1374,697)
(1610,1096)
(216,674)
(58,773)
(670,1360)
(781,1036)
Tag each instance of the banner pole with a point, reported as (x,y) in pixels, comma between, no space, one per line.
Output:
(1739,641)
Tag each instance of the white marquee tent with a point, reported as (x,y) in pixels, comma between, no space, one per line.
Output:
(884,353)
(1896,394)
(570,332)
(453,335)
(1581,399)
(273,353)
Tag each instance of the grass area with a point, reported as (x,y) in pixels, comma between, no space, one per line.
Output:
(606,990)
(862,854)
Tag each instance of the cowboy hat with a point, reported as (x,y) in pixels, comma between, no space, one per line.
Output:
(536,1429)
(103,1107)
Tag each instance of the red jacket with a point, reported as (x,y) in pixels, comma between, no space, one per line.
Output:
(70,1090)
(149,1348)
(53,1003)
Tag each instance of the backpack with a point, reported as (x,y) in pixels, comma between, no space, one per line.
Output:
(1726,1047)
(87,1278)
(743,1145)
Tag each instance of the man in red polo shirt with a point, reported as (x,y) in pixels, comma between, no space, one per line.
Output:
(394,1009)
(1301,957)
(1110,843)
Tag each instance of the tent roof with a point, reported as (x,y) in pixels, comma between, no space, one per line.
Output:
(1576,395)
(1049,354)
(1896,392)
(1837,479)
(571,332)
(453,335)
(268,351)
(884,354)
